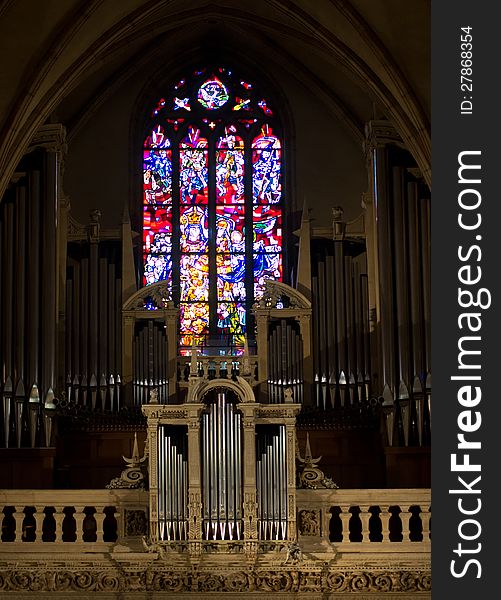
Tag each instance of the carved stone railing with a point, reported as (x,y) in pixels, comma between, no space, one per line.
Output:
(79,542)
(218,367)
(71,520)
(364,520)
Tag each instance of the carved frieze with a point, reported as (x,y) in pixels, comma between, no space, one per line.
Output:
(157,576)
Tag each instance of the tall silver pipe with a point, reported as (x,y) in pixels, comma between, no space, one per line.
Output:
(93,306)
(224,463)
(150,357)
(8,253)
(323,365)
(112,359)
(20,282)
(231,468)
(174,484)
(350,346)
(330,320)
(75,328)
(206,459)
(425,265)
(161,483)
(340,305)
(283,488)
(103,320)
(168,485)
(180,499)
(49,261)
(276,487)
(416,298)
(34,277)
(118,331)
(214,467)
(366,331)
(402,282)
(69,367)
(84,311)
(238,470)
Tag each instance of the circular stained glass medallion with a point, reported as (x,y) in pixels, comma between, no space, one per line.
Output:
(212,94)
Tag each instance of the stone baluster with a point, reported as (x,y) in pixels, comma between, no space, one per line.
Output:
(405,517)
(345,516)
(79,517)
(59,516)
(39,519)
(365,515)
(19,518)
(99,516)
(425,520)
(385,516)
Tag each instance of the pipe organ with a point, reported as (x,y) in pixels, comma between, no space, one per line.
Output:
(29,247)
(93,322)
(342,368)
(221,447)
(172,483)
(271,476)
(285,360)
(150,361)
(222,466)
(401,293)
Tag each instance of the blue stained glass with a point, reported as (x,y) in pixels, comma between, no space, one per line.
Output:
(266,266)
(231,317)
(230,276)
(157,176)
(266,168)
(157,268)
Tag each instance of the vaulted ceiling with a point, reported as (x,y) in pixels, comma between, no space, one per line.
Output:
(363,58)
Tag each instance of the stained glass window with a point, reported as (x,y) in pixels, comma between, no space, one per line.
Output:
(212,203)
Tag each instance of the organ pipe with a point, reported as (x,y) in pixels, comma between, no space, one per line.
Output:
(172,484)
(271,479)
(221,469)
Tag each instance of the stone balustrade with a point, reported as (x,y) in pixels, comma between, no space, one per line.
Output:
(215,367)
(343,521)
(78,520)
(364,520)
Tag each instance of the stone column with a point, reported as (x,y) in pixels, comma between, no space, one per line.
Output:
(249,478)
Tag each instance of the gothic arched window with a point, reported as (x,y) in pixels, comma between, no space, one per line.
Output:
(212,203)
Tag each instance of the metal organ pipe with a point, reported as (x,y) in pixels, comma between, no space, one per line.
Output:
(271,481)
(221,469)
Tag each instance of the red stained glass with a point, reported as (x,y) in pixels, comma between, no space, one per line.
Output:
(157,176)
(156,220)
(230,227)
(157,139)
(267,222)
